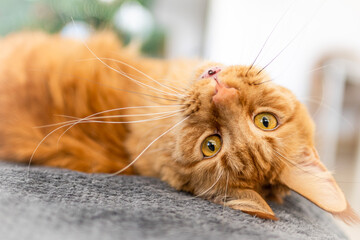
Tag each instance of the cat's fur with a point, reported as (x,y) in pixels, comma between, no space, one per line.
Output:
(43,77)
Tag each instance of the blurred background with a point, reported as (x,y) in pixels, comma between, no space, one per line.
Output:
(310,46)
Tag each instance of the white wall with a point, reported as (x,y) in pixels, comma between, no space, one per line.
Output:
(237,29)
(184,22)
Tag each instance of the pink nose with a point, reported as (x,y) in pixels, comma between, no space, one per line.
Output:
(224,95)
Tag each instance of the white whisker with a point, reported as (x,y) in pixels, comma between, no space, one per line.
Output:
(37,147)
(226,188)
(211,187)
(105,117)
(148,146)
(134,121)
(112,110)
(70,125)
(269,36)
(137,70)
(125,75)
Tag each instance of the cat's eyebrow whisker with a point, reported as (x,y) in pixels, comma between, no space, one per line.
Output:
(266,81)
(137,70)
(293,39)
(149,145)
(269,36)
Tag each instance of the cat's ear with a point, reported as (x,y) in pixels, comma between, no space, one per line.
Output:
(310,178)
(252,203)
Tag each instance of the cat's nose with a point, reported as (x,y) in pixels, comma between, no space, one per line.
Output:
(224,95)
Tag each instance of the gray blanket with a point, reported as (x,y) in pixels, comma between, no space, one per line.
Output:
(60,204)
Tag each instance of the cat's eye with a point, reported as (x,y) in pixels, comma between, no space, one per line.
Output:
(266,121)
(211,145)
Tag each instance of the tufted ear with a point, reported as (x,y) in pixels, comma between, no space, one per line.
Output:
(311,179)
(252,203)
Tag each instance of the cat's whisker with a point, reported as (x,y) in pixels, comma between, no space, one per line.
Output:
(226,188)
(134,92)
(39,144)
(80,121)
(207,190)
(144,74)
(70,125)
(293,39)
(106,117)
(178,88)
(266,81)
(286,160)
(112,110)
(133,121)
(269,36)
(139,83)
(319,68)
(130,78)
(148,146)
(126,115)
(322,104)
(181,90)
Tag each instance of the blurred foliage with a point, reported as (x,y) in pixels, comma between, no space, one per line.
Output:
(53,15)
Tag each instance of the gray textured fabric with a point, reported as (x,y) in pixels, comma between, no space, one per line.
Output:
(62,204)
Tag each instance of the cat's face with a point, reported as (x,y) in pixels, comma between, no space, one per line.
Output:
(246,132)
(224,132)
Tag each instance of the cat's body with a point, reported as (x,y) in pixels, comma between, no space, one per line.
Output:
(45,76)
(42,77)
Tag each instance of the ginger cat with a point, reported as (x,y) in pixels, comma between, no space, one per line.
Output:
(225,133)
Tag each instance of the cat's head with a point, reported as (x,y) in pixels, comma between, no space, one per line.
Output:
(245,132)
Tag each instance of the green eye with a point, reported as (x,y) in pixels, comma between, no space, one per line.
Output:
(266,121)
(211,145)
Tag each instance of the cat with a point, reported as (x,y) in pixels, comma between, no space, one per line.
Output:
(224,133)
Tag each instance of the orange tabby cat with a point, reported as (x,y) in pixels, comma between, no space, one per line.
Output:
(225,133)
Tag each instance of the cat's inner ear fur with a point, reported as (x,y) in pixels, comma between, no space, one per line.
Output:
(251,202)
(310,178)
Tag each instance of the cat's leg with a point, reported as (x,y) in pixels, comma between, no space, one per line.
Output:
(250,202)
